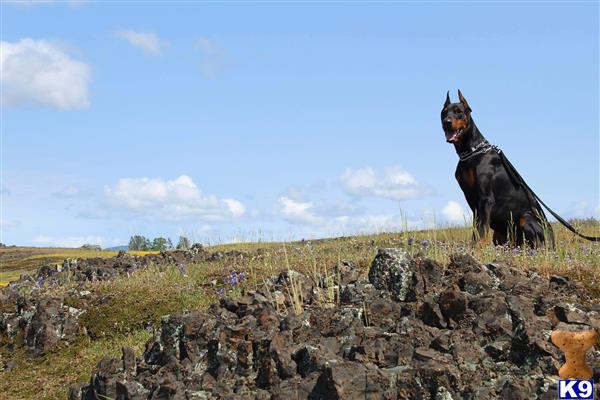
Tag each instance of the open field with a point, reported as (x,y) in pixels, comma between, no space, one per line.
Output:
(124,311)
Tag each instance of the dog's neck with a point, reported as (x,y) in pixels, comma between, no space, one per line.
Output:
(471,138)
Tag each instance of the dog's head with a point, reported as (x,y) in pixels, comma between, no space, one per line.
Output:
(456,118)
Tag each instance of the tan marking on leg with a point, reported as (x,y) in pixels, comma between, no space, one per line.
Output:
(468,177)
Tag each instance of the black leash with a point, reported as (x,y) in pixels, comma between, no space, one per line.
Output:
(512,170)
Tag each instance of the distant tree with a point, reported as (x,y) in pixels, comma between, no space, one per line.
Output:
(184,243)
(169,244)
(159,243)
(139,242)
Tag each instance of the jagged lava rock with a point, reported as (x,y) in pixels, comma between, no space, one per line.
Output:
(414,330)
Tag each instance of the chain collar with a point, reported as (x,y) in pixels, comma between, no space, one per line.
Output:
(481,148)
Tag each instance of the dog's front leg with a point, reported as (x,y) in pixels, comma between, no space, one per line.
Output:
(485,203)
(484,210)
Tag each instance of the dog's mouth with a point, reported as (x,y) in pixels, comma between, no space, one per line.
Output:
(453,136)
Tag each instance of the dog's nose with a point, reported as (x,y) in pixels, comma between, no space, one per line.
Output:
(448,121)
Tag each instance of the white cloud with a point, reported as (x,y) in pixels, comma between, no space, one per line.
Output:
(323,204)
(74,241)
(320,226)
(41,72)
(583,209)
(322,220)
(455,213)
(378,223)
(296,211)
(215,60)
(395,183)
(236,208)
(324,215)
(149,42)
(171,200)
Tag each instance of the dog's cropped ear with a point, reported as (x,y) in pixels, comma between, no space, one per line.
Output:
(447,103)
(463,101)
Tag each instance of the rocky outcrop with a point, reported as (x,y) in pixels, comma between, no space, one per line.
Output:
(413,330)
(40,324)
(101,269)
(30,317)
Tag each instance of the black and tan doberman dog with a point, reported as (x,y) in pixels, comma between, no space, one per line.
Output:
(496,199)
(496,193)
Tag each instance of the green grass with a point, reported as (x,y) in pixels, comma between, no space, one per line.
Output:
(128,304)
(8,276)
(49,377)
(122,308)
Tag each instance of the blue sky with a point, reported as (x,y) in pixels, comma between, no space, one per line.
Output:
(282,121)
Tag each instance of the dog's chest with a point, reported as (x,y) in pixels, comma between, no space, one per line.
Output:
(466,176)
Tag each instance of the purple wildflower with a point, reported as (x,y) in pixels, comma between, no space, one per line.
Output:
(242,276)
(221,292)
(181,269)
(233,279)
(424,243)
(410,241)
(13,286)
(517,250)
(40,281)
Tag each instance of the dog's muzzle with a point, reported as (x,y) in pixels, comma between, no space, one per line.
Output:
(453,136)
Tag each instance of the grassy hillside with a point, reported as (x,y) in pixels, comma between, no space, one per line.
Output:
(124,312)
(17,260)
